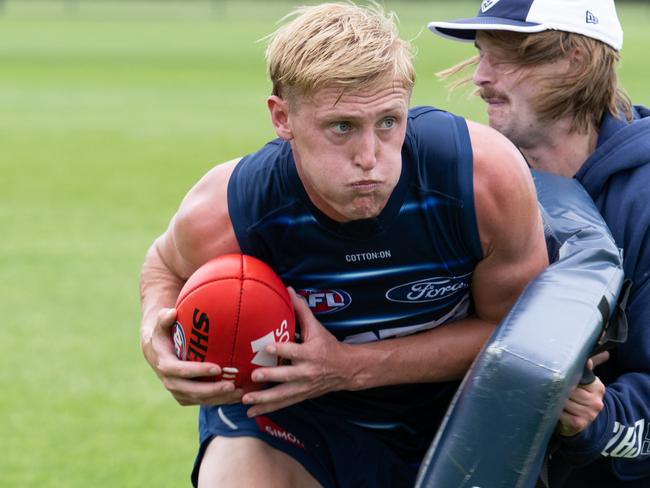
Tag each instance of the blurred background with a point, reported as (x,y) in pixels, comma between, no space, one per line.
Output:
(109,112)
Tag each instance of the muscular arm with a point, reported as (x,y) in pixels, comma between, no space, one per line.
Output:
(514,249)
(199,231)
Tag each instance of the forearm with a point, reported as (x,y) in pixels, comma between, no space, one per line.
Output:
(321,364)
(621,429)
(159,288)
(441,354)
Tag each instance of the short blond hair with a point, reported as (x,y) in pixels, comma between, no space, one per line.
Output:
(588,89)
(340,45)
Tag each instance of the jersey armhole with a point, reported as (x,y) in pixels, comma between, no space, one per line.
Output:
(465,166)
(236,209)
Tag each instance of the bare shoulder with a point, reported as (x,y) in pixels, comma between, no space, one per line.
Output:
(498,164)
(509,223)
(504,192)
(201,228)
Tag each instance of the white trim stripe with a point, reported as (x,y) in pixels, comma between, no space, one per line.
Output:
(226,420)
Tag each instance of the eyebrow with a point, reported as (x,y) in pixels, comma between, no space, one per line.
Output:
(334,115)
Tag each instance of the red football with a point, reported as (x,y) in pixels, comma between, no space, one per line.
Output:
(228,311)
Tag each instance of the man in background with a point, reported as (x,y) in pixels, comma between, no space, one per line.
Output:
(547,70)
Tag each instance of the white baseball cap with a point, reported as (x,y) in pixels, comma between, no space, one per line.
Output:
(591,18)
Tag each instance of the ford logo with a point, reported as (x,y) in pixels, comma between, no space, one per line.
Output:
(428,289)
(325,301)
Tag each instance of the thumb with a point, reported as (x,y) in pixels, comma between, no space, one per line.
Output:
(166,318)
(600,358)
(304,315)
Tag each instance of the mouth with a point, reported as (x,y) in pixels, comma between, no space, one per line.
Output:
(365,186)
(492,98)
(495,101)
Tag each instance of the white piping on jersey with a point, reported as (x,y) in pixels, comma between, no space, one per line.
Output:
(226,420)
(458,312)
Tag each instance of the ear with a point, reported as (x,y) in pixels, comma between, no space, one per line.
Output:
(279,109)
(578,57)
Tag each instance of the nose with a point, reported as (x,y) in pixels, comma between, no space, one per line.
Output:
(366,150)
(484,72)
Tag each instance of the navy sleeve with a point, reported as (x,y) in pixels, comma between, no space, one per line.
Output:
(621,432)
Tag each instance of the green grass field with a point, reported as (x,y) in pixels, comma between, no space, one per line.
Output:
(109,111)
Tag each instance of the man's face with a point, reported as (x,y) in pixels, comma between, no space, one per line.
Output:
(347,148)
(509,92)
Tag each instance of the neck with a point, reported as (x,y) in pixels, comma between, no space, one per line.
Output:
(560,151)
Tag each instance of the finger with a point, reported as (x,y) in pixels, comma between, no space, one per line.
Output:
(166,318)
(275,394)
(277,374)
(566,418)
(568,425)
(219,399)
(266,401)
(585,402)
(234,396)
(573,408)
(600,358)
(303,312)
(595,388)
(578,417)
(588,394)
(286,350)
(298,302)
(170,365)
(201,392)
(270,407)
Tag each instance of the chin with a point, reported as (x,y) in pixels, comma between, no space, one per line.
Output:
(500,127)
(364,213)
(494,122)
(363,208)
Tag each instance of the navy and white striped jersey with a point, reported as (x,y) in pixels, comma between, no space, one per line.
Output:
(407,270)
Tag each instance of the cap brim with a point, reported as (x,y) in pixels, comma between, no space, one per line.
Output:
(465,29)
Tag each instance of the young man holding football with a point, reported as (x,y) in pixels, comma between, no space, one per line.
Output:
(547,71)
(426,224)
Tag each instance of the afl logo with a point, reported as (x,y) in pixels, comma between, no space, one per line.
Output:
(180,346)
(325,301)
(428,289)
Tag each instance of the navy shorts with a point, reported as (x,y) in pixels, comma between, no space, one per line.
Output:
(336,452)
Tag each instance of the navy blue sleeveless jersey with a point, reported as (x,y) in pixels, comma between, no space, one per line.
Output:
(407,270)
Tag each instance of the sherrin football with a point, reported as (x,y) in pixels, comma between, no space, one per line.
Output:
(227,312)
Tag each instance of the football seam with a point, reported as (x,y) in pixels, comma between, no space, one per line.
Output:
(241,293)
(198,287)
(257,280)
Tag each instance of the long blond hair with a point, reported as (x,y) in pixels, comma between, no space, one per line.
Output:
(588,89)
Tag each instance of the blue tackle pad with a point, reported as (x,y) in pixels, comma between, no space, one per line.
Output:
(498,426)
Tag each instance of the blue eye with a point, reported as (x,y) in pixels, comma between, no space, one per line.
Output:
(342,127)
(388,123)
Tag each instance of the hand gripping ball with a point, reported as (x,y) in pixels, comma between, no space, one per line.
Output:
(227,312)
